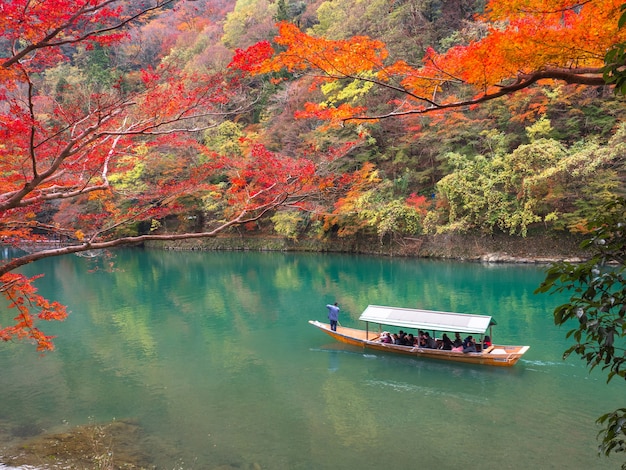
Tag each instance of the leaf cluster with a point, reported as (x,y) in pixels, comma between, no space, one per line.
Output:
(596,310)
(614,71)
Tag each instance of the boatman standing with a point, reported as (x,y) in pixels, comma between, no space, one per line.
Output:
(333,315)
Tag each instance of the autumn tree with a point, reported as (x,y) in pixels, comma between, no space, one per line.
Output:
(84,164)
(515,45)
(369,208)
(507,49)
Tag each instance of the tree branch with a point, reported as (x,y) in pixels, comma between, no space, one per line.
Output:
(580,76)
(48,39)
(240,219)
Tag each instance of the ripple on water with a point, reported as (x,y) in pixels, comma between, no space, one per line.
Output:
(426,391)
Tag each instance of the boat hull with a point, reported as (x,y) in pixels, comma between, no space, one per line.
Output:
(498,355)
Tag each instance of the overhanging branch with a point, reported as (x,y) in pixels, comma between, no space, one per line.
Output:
(579,76)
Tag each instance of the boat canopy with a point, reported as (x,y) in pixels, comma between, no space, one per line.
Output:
(427,319)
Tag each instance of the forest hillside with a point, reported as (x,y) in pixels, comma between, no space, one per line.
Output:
(378,120)
(537,161)
(541,159)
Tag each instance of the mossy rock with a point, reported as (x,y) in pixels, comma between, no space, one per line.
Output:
(111,446)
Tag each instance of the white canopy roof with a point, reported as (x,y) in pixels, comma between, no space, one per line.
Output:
(426,319)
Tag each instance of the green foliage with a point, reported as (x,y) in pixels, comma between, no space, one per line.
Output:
(186,55)
(341,19)
(613,433)
(282,11)
(286,223)
(96,65)
(540,129)
(213,201)
(386,215)
(613,72)
(131,180)
(392,218)
(486,194)
(225,139)
(615,60)
(290,10)
(336,92)
(536,182)
(596,310)
(154,225)
(61,79)
(251,21)
(494,141)
(592,172)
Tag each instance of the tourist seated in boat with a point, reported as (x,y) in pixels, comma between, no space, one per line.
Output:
(457,340)
(409,340)
(486,342)
(420,339)
(402,336)
(429,342)
(469,345)
(385,337)
(396,339)
(446,343)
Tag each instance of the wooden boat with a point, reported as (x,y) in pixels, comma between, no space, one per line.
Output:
(427,320)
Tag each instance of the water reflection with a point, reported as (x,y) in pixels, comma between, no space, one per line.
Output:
(212,354)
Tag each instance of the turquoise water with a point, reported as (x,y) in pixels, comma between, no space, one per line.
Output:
(212,355)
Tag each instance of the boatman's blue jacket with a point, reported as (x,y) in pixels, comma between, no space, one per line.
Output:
(333,312)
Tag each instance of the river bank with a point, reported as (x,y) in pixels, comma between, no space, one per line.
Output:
(536,248)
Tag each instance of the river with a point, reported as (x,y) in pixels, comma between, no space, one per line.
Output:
(211,355)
